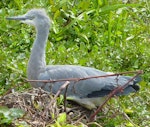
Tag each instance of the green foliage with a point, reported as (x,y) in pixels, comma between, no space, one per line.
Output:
(61,122)
(107,35)
(8,115)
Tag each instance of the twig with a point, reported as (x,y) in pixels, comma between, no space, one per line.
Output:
(65,96)
(95,123)
(120,88)
(56,95)
(126,116)
(85,78)
(78,121)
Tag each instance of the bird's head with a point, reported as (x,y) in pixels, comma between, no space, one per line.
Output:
(35,17)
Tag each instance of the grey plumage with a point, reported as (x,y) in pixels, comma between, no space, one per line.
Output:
(88,92)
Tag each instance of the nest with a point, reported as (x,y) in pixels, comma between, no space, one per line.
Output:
(42,109)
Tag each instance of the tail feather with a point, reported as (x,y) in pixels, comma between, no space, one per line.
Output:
(131,88)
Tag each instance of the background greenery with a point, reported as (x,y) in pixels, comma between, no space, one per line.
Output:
(108,35)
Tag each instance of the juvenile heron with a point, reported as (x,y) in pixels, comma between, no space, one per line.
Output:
(89,93)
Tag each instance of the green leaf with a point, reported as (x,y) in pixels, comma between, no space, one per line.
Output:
(129,111)
(8,115)
(16,113)
(129,124)
(108,8)
(61,118)
(57,14)
(100,2)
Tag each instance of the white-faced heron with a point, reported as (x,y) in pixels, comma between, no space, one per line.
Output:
(89,93)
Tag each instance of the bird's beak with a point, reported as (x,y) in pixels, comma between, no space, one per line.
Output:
(22,18)
(17,18)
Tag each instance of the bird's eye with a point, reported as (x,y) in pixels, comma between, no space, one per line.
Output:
(30,17)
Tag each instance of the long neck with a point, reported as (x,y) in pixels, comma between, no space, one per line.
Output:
(37,57)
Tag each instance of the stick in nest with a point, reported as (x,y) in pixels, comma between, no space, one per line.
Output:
(64,86)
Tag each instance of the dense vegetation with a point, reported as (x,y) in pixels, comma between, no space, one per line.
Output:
(108,35)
